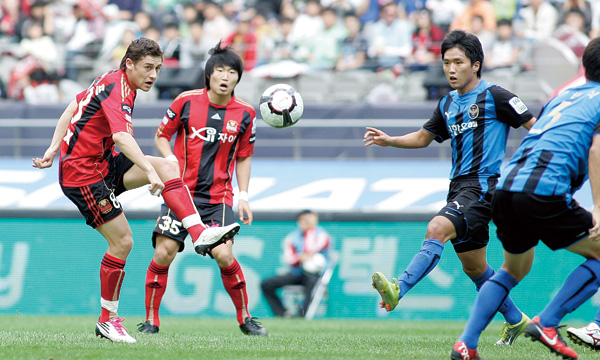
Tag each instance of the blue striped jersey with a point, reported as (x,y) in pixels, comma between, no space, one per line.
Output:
(477,123)
(553,157)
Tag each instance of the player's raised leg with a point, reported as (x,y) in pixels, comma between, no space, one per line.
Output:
(178,199)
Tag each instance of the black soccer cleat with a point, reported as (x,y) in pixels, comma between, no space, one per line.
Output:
(252,327)
(147,328)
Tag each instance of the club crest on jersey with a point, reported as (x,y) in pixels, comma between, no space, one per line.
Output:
(473,111)
(232,126)
(105,206)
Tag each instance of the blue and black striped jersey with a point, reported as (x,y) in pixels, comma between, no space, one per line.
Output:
(553,158)
(477,123)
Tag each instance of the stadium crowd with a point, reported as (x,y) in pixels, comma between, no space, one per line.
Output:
(52,48)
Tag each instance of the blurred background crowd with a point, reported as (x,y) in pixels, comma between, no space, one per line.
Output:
(52,49)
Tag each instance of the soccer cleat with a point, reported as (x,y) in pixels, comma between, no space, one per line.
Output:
(114,331)
(389,292)
(147,328)
(550,337)
(213,236)
(510,333)
(460,351)
(587,336)
(252,327)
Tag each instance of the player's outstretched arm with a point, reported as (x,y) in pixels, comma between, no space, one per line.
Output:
(242,171)
(594,176)
(59,133)
(414,140)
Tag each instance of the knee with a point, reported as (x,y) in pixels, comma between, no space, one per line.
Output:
(223,256)
(437,230)
(473,270)
(169,169)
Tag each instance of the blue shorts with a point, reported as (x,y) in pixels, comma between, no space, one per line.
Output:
(169,225)
(525,219)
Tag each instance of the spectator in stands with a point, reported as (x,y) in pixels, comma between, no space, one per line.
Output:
(485,36)
(188,16)
(243,42)
(285,47)
(41,88)
(426,39)
(216,25)
(539,20)
(143,20)
(121,49)
(42,13)
(170,43)
(11,20)
(573,32)
(345,6)
(503,56)
(87,35)
(114,27)
(390,42)
(303,245)
(127,8)
(152,33)
(194,50)
(443,12)
(505,9)
(324,49)
(353,54)
(585,9)
(266,32)
(42,47)
(306,26)
(482,8)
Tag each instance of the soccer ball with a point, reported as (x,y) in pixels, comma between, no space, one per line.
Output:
(281,106)
(315,264)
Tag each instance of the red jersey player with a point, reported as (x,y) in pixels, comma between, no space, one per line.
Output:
(215,135)
(92,173)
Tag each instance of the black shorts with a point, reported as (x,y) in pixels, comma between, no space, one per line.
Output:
(170,226)
(469,210)
(98,202)
(525,219)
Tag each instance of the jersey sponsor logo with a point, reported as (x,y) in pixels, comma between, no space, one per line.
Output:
(216,116)
(447,113)
(232,126)
(126,108)
(171,114)
(457,129)
(210,134)
(105,206)
(518,105)
(473,111)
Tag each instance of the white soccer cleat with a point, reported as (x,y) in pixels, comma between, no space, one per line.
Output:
(588,336)
(114,331)
(213,236)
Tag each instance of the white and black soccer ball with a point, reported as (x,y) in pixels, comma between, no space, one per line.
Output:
(281,106)
(315,264)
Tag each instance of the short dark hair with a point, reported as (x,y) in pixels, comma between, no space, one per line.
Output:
(591,60)
(222,56)
(466,42)
(140,48)
(502,22)
(304,212)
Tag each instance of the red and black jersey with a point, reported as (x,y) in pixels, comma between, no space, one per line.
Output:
(209,140)
(103,109)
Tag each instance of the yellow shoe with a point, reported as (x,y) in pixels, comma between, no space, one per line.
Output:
(389,292)
(510,333)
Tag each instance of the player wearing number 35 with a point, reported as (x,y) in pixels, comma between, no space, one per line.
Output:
(92,173)
(534,202)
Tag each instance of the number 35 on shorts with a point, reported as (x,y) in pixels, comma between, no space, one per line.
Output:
(167,223)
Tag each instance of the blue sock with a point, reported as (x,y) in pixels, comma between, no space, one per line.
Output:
(421,265)
(509,310)
(579,286)
(492,295)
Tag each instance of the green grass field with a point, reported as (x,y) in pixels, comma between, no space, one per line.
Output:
(72,337)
